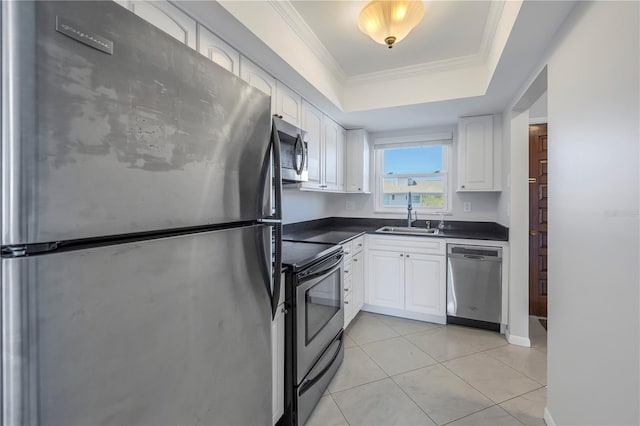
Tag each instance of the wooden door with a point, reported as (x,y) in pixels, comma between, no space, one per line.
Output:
(538,220)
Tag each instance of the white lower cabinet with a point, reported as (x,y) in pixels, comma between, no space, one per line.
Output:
(277,359)
(353,279)
(385,287)
(424,275)
(406,277)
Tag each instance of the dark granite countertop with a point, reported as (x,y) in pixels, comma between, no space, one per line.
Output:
(338,230)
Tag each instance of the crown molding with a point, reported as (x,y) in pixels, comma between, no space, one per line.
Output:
(420,69)
(493,19)
(291,16)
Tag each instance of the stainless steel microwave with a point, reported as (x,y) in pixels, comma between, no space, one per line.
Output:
(293,151)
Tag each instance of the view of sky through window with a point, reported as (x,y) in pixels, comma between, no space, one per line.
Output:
(420,159)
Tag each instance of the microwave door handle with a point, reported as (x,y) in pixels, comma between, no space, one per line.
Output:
(295,149)
(304,155)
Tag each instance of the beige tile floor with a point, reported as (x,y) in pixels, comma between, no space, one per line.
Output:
(404,372)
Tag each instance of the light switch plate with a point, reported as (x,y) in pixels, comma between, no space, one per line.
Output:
(467,207)
(351,205)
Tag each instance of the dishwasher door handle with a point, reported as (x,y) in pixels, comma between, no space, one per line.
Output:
(474,257)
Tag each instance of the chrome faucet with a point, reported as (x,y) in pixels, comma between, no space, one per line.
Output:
(409,208)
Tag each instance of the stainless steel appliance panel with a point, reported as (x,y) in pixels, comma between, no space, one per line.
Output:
(172,331)
(474,283)
(319,310)
(294,151)
(314,384)
(151,136)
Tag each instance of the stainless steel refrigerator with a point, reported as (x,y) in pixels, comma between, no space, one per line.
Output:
(137,271)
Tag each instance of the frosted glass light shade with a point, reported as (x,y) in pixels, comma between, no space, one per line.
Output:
(389,21)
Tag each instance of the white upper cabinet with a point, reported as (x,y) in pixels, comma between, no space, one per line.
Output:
(357,161)
(476,154)
(218,51)
(168,18)
(258,78)
(288,104)
(312,124)
(332,154)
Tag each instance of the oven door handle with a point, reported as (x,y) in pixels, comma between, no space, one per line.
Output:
(326,270)
(308,383)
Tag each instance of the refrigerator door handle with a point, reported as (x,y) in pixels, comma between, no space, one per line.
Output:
(275,143)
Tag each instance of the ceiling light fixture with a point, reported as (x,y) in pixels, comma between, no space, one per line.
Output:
(389,21)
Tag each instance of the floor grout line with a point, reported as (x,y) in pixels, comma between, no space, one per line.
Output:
(437,362)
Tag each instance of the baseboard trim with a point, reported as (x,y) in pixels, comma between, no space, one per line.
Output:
(517,340)
(547,418)
(438,319)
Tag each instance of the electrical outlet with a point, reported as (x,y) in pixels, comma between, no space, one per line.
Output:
(351,205)
(467,207)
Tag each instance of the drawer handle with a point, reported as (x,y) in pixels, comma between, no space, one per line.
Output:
(401,254)
(407,255)
(346,302)
(355,260)
(346,271)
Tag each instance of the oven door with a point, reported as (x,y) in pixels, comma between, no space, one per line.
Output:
(319,311)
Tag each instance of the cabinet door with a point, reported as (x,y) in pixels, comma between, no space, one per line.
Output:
(357,161)
(312,124)
(330,153)
(475,153)
(425,283)
(342,141)
(288,104)
(277,364)
(258,78)
(385,283)
(218,51)
(357,284)
(168,18)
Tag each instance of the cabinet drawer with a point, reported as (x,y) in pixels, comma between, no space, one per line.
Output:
(348,249)
(357,245)
(425,245)
(348,285)
(348,267)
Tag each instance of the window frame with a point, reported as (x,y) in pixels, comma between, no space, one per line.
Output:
(378,153)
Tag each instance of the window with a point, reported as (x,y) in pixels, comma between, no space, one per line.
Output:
(419,170)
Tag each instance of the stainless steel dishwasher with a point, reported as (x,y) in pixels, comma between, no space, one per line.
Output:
(474,286)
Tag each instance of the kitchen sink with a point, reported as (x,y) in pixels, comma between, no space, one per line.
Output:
(408,231)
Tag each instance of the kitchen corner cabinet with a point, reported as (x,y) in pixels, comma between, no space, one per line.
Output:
(218,51)
(168,18)
(353,279)
(258,78)
(406,277)
(357,161)
(476,154)
(277,359)
(288,105)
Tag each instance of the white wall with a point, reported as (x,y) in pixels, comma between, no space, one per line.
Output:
(593,107)
(484,206)
(298,206)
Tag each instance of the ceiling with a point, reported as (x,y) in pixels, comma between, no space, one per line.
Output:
(465,58)
(449,30)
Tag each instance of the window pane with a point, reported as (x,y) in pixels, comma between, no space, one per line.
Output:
(425,191)
(420,159)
